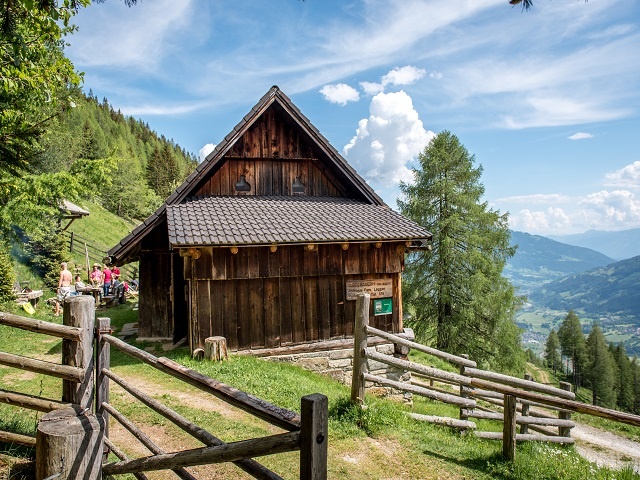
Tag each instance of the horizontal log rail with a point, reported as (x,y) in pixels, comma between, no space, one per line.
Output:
(40,326)
(424,392)
(422,348)
(73,374)
(521,420)
(446,421)
(565,404)
(230,452)
(17,438)
(122,456)
(31,402)
(418,368)
(248,465)
(420,383)
(518,382)
(526,437)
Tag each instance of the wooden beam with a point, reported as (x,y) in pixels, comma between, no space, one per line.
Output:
(18,439)
(518,382)
(32,402)
(65,372)
(40,326)
(446,421)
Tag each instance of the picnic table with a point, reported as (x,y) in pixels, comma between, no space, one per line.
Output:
(32,297)
(91,290)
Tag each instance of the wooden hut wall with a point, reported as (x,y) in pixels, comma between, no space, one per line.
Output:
(257,298)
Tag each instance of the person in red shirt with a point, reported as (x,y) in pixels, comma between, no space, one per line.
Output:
(106,280)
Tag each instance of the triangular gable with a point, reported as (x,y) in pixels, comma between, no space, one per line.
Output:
(212,162)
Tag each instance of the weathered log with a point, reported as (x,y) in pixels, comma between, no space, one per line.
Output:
(215,349)
(40,326)
(526,437)
(271,413)
(359,346)
(422,348)
(418,368)
(446,421)
(563,431)
(424,392)
(483,394)
(248,465)
(69,442)
(103,361)
(418,383)
(79,312)
(518,382)
(571,405)
(524,409)
(40,366)
(121,455)
(143,438)
(522,420)
(509,428)
(31,402)
(18,439)
(256,447)
(314,437)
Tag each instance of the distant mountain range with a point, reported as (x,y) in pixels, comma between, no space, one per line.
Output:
(619,245)
(539,260)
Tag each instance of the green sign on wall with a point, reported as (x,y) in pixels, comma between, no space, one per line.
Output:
(382,306)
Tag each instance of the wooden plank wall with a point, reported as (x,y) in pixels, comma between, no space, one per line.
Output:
(257,298)
(154,301)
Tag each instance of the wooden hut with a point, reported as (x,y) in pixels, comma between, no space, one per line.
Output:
(268,242)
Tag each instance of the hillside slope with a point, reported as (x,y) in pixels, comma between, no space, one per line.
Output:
(539,260)
(614,289)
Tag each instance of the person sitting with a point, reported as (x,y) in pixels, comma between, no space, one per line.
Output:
(79,283)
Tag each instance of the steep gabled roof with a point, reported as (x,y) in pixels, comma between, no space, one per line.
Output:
(127,246)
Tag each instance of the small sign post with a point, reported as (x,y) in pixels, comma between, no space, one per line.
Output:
(382,306)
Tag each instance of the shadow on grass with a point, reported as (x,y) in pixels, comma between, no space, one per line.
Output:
(482,464)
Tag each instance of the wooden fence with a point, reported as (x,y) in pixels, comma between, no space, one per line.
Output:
(476,392)
(75,369)
(72,443)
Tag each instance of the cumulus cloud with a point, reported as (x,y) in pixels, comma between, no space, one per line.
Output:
(626,177)
(406,75)
(541,221)
(340,93)
(537,198)
(388,140)
(206,150)
(580,136)
(619,207)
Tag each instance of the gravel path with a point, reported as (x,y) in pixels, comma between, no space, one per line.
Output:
(606,448)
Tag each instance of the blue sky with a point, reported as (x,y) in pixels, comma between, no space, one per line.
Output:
(548,100)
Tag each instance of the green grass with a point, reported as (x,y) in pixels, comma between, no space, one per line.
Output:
(378,442)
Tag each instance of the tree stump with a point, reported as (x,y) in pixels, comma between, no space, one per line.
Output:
(215,348)
(69,441)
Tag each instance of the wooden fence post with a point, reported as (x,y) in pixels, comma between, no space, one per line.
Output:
(509,428)
(524,428)
(79,311)
(463,392)
(359,346)
(564,431)
(314,433)
(103,361)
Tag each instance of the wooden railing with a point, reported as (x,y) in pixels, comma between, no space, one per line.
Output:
(306,432)
(75,368)
(474,385)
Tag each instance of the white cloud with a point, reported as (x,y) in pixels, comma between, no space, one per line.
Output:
(627,177)
(435,75)
(580,136)
(403,75)
(371,88)
(540,221)
(616,208)
(206,150)
(340,93)
(388,140)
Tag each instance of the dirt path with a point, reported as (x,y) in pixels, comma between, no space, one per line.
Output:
(606,448)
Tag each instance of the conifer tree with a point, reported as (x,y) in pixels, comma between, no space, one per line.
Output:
(573,346)
(624,379)
(600,371)
(459,297)
(552,352)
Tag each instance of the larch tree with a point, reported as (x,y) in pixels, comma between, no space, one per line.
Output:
(552,357)
(624,379)
(459,299)
(573,346)
(600,372)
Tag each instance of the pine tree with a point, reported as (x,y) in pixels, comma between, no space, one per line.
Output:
(457,292)
(600,368)
(573,346)
(552,352)
(624,380)
(7,277)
